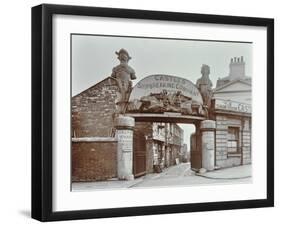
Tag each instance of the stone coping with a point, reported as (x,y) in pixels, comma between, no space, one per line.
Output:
(208,124)
(94,139)
(124,121)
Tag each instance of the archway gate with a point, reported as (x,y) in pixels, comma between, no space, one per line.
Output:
(139,142)
(163,98)
(132,158)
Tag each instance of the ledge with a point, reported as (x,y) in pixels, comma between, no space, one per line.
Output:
(235,113)
(94,139)
(234,155)
(168,117)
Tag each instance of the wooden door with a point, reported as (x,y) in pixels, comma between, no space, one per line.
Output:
(139,154)
(195,151)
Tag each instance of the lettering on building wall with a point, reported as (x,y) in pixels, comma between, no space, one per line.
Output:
(125,138)
(232,106)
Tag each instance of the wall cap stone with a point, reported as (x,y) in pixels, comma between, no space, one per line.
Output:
(124,121)
(208,124)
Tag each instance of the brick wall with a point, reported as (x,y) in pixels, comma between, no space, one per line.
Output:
(94,160)
(93,110)
(223,159)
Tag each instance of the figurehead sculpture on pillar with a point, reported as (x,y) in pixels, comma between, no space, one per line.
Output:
(123,73)
(204,84)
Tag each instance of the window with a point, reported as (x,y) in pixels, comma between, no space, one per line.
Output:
(233,140)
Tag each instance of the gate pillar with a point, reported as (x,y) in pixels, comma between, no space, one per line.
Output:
(207,128)
(124,132)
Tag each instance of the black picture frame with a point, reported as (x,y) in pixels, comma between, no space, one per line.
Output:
(42,107)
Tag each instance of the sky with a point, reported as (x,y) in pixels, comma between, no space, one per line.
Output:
(93,58)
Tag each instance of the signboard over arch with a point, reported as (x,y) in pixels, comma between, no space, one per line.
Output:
(172,84)
(165,93)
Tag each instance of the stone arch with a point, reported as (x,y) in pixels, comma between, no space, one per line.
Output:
(161,93)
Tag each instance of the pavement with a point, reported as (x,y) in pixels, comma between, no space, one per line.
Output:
(178,175)
(237,172)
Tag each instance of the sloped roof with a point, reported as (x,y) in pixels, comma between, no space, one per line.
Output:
(220,88)
(97,84)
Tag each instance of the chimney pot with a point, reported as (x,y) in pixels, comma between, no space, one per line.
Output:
(237,68)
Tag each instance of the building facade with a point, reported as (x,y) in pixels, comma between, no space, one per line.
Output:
(232,112)
(167,144)
(161,147)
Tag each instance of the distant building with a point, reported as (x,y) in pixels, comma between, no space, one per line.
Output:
(236,86)
(162,147)
(232,113)
(185,154)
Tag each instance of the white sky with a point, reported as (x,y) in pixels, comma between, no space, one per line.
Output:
(93,58)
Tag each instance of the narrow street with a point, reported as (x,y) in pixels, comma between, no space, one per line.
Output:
(178,175)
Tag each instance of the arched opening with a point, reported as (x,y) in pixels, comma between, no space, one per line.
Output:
(160,143)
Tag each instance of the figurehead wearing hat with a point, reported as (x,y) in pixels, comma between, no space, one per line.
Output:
(123,53)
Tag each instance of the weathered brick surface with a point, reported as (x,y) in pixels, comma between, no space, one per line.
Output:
(93,110)
(246,148)
(94,161)
(228,162)
(222,157)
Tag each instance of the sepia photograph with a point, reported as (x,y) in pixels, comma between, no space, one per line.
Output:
(142,112)
(159,112)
